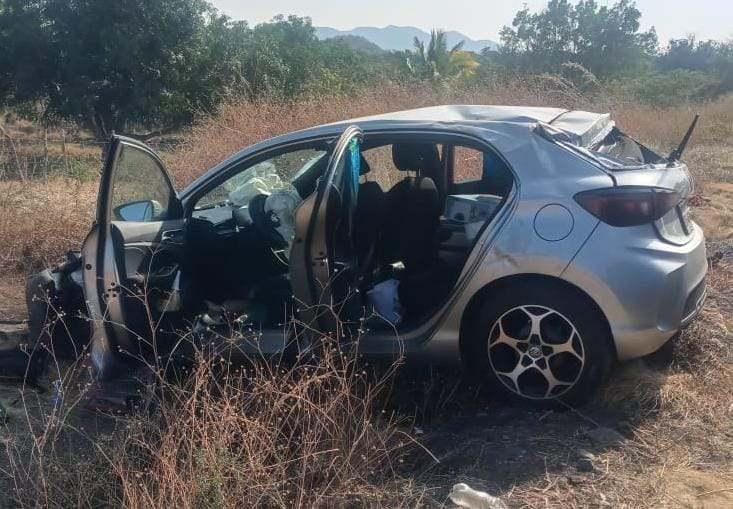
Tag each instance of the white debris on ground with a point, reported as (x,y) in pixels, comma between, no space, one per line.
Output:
(605,437)
(464,496)
(11,335)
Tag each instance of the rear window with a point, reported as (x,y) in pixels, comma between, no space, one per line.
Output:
(619,151)
(468,165)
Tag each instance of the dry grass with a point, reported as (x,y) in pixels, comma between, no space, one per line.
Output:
(268,434)
(12,299)
(273,437)
(708,155)
(41,219)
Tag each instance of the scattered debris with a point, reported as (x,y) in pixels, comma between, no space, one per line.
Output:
(585,461)
(15,362)
(12,335)
(58,395)
(586,454)
(464,496)
(605,437)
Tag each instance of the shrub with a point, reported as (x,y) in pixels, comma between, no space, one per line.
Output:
(668,89)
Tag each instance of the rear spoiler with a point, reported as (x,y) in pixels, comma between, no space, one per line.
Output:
(676,154)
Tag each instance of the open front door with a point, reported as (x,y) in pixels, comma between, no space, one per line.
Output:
(132,255)
(322,261)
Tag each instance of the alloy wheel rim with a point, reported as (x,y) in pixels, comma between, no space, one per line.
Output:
(536,352)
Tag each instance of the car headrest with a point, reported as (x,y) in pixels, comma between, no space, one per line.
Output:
(415,156)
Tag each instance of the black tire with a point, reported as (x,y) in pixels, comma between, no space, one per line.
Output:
(577,364)
(63,337)
(39,290)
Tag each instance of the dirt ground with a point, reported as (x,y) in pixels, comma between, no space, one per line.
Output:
(651,438)
(12,299)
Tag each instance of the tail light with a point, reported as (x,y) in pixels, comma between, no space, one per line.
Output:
(628,205)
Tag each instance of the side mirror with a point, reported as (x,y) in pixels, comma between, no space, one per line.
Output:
(138,211)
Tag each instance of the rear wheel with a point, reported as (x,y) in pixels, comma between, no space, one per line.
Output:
(540,343)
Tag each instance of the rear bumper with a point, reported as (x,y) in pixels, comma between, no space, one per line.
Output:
(648,289)
(695,303)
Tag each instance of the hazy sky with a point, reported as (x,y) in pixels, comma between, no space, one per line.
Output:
(480,19)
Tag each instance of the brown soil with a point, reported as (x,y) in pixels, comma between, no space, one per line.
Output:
(715,210)
(12,299)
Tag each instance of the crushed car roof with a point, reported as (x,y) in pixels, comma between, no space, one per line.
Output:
(503,126)
(583,127)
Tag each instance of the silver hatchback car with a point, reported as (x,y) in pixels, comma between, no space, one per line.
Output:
(533,246)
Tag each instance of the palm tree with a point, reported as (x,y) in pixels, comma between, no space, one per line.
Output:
(437,63)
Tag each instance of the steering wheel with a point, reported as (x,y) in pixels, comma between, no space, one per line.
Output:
(266,222)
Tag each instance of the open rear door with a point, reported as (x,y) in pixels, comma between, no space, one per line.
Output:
(322,263)
(131,256)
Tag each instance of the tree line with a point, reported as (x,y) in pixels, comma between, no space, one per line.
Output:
(114,66)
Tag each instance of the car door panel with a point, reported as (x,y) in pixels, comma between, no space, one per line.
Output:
(127,262)
(320,258)
(149,247)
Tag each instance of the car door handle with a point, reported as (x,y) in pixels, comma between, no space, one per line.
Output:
(174,237)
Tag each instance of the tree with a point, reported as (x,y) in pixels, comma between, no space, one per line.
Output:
(117,66)
(285,58)
(110,66)
(359,43)
(343,69)
(605,40)
(118,63)
(437,63)
(711,57)
(24,51)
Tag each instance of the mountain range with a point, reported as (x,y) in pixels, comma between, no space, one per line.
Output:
(396,38)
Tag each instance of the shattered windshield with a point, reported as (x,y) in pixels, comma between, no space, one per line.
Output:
(272,179)
(616,151)
(620,151)
(262,178)
(265,177)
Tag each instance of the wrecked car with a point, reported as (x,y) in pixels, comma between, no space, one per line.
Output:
(535,247)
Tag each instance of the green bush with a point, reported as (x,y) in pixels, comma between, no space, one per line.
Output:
(667,88)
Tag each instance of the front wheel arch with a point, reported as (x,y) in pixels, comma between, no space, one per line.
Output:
(495,289)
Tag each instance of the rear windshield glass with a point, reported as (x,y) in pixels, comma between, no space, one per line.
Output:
(620,151)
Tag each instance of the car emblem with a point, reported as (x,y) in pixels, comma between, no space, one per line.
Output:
(535,352)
